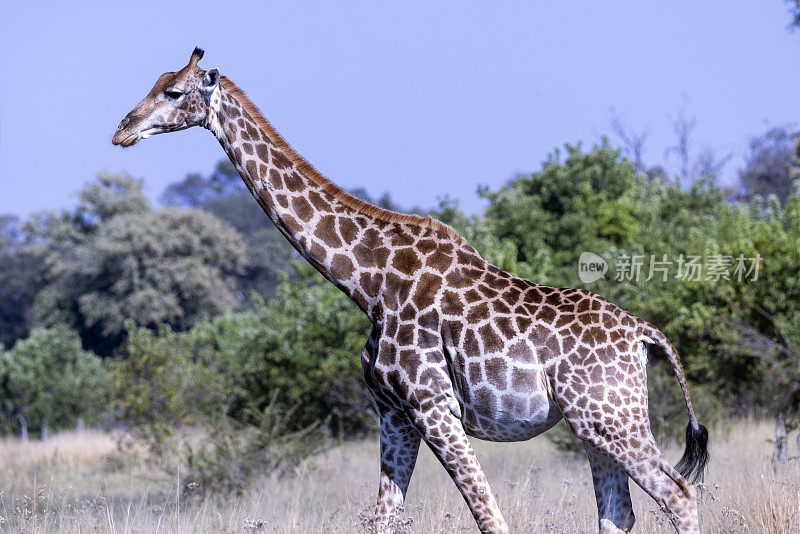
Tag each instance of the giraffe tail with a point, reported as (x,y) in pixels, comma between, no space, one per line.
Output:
(695,455)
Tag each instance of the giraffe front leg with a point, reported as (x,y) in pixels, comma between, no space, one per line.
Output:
(399,447)
(445,435)
(611,490)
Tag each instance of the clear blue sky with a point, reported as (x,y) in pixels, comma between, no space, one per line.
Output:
(420,99)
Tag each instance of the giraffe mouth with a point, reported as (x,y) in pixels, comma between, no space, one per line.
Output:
(129,141)
(126,139)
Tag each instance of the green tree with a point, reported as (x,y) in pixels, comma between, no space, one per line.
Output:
(223,194)
(794,10)
(49,381)
(171,267)
(196,190)
(590,201)
(18,273)
(113,259)
(769,164)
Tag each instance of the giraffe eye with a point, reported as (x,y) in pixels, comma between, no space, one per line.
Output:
(173,94)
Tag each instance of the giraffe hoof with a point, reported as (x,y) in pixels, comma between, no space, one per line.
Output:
(607,527)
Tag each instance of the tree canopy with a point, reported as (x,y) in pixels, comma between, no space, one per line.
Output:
(114,258)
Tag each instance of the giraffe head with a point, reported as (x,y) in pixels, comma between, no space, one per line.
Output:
(177,101)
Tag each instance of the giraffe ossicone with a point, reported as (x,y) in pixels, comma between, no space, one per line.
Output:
(458,346)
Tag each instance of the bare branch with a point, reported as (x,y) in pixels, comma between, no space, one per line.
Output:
(758,344)
(633,142)
(690,168)
(709,164)
(683,126)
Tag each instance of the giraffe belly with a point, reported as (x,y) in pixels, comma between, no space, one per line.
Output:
(506,415)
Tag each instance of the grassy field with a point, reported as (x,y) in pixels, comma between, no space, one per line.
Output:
(80,482)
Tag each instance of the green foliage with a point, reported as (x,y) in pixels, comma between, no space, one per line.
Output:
(159,386)
(168,267)
(299,351)
(267,385)
(588,202)
(222,194)
(109,196)
(114,259)
(19,285)
(48,379)
(768,167)
(794,9)
(311,345)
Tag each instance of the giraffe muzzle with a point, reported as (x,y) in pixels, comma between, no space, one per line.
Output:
(123,138)
(128,132)
(128,141)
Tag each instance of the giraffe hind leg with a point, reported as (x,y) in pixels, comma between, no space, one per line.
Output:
(614,508)
(612,417)
(634,449)
(644,463)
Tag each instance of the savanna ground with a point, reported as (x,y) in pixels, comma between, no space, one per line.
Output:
(81,482)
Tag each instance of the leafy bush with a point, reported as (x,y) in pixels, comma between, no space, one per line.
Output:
(50,381)
(309,348)
(234,453)
(159,387)
(305,344)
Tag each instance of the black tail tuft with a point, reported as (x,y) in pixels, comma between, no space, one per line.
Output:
(695,456)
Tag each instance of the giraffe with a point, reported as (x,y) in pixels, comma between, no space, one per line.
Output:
(458,347)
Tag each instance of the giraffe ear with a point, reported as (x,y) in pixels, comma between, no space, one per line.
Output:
(210,81)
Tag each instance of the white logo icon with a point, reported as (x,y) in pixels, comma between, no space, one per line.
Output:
(591,267)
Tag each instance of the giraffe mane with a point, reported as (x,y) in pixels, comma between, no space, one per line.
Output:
(319,179)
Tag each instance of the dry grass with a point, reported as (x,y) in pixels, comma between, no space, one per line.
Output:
(78,482)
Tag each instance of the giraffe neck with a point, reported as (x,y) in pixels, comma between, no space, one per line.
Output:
(321,221)
(299,207)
